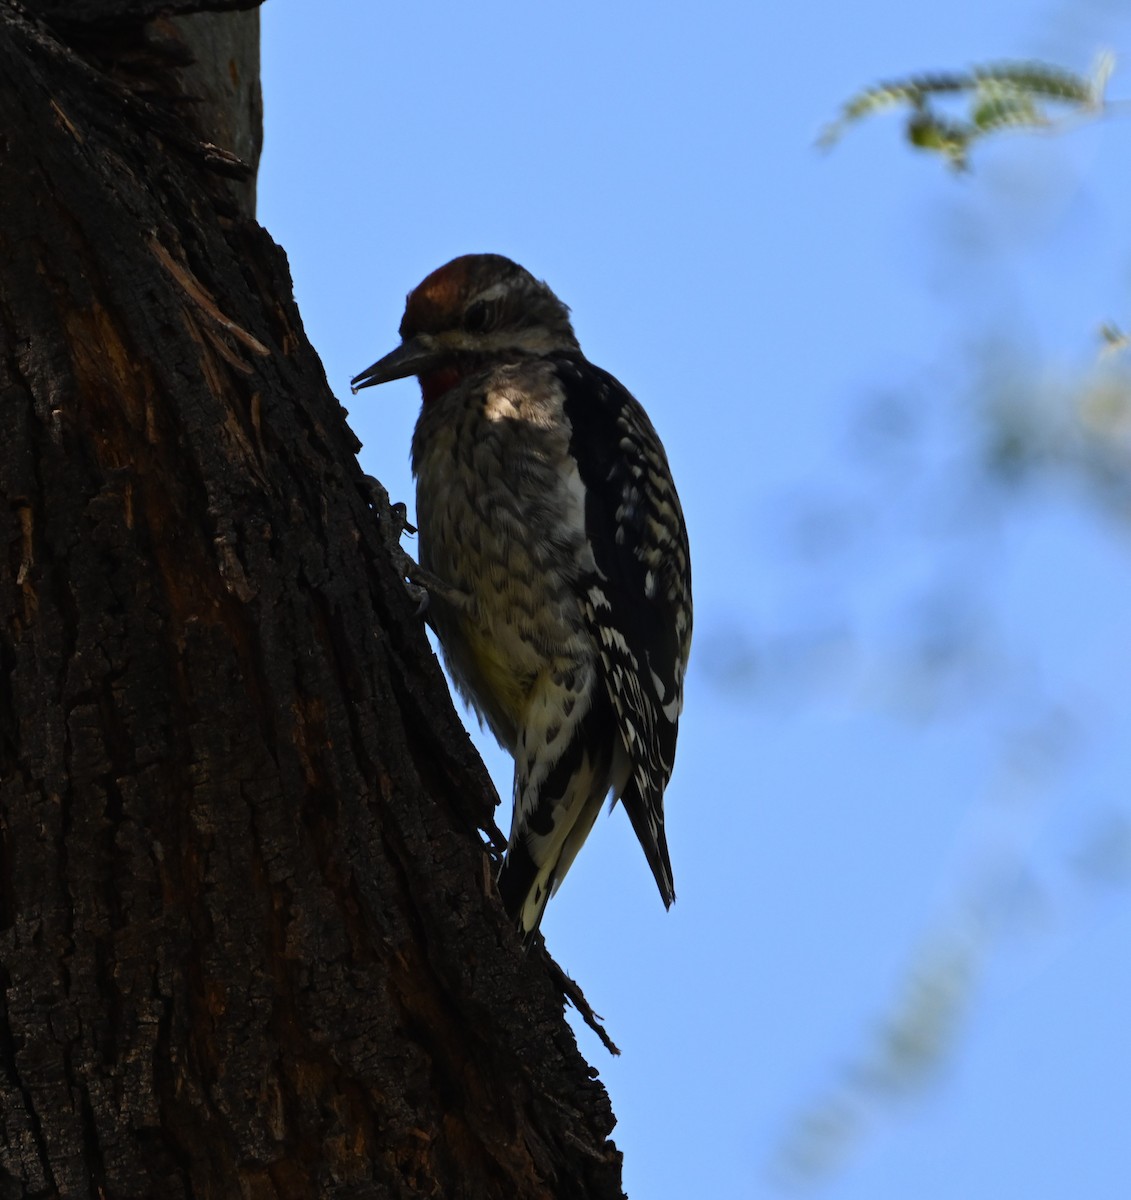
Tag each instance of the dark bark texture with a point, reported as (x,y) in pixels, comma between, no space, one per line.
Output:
(249,946)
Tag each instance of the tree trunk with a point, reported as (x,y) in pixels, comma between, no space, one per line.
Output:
(249,943)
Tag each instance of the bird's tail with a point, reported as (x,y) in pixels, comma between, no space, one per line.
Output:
(646,812)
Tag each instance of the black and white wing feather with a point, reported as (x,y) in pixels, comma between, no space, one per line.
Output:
(638,600)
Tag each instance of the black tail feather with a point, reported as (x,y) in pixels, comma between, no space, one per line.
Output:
(648,823)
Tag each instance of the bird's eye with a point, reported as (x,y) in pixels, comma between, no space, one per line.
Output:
(479,317)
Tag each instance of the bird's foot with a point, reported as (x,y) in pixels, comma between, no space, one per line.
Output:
(393,521)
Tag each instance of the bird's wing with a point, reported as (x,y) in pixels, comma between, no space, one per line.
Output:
(638,601)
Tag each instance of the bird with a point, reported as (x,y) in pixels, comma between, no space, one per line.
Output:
(554,554)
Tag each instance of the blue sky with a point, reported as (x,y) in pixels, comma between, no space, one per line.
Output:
(905,747)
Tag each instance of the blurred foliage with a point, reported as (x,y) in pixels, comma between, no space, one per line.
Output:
(1028,428)
(908,1050)
(1028,95)
(1001,900)
(1039,425)
(937,653)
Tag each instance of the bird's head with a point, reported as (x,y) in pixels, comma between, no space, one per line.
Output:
(477,310)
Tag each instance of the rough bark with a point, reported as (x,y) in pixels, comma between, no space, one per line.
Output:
(248,940)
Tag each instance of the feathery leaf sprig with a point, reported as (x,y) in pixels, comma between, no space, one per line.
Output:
(1026,95)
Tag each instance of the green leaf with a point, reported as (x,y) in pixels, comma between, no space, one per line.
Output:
(1006,95)
(1006,110)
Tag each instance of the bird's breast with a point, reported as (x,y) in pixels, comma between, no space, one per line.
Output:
(502,521)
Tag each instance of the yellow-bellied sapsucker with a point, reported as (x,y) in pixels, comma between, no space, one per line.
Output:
(555,556)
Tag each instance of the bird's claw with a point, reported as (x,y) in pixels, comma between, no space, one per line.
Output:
(400,517)
(393,520)
(417,594)
(410,570)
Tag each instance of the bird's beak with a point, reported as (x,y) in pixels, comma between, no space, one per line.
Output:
(414,357)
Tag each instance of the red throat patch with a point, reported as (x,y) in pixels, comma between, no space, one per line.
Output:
(436,383)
